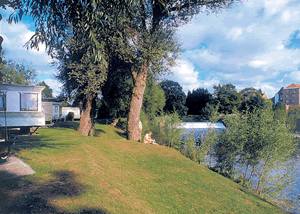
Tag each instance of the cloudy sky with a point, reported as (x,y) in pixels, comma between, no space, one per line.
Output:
(254,44)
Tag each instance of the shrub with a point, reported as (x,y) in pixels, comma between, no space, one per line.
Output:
(70,116)
(166,132)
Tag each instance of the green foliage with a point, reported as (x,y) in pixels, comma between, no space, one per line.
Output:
(47,92)
(249,91)
(294,112)
(227,97)
(12,72)
(64,100)
(197,100)
(78,70)
(207,112)
(189,148)
(65,104)
(252,102)
(175,97)
(254,145)
(165,130)
(82,77)
(70,116)
(116,90)
(279,110)
(154,99)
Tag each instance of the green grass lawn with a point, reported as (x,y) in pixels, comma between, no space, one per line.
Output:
(108,174)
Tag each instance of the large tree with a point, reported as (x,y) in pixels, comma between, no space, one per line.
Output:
(116,92)
(153,19)
(146,30)
(246,92)
(197,99)
(80,34)
(252,99)
(82,78)
(228,98)
(175,97)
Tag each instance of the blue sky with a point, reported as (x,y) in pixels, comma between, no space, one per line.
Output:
(254,44)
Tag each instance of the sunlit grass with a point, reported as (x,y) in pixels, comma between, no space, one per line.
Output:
(107,174)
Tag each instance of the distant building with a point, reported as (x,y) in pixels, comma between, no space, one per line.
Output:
(51,109)
(265,96)
(278,96)
(289,95)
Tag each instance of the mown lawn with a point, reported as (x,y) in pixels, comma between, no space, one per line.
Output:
(108,174)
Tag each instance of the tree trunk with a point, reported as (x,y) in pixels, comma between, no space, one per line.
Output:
(260,177)
(115,122)
(85,125)
(251,173)
(133,131)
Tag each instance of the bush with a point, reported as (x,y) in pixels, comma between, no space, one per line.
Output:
(166,132)
(70,116)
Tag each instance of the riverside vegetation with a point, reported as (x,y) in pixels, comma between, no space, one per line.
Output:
(254,151)
(107,174)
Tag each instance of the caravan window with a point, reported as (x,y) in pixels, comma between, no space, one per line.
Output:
(29,102)
(2,101)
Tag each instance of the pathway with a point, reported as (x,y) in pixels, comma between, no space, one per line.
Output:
(13,168)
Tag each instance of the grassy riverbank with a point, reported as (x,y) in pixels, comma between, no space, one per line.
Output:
(108,174)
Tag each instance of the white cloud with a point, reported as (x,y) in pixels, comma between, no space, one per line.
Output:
(235,33)
(257,63)
(295,75)
(286,15)
(209,83)
(203,55)
(15,36)
(280,47)
(274,6)
(250,28)
(186,75)
(270,90)
(248,52)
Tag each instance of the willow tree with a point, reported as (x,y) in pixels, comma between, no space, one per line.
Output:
(155,22)
(77,33)
(82,77)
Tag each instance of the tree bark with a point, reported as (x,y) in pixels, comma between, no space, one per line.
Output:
(85,125)
(115,122)
(133,131)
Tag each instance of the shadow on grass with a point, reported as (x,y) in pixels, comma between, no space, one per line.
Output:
(69,124)
(97,132)
(23,196)
(37,141)
(121,134)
